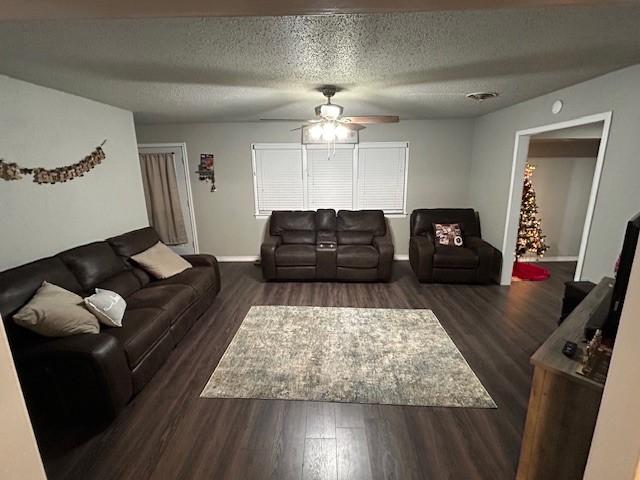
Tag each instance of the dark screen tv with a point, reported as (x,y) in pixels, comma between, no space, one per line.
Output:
(610,327)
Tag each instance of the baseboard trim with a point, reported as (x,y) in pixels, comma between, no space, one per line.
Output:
(237,258)
(549,259)
(254,258)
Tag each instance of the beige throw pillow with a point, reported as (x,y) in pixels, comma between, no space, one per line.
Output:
(56,312)
(161,262)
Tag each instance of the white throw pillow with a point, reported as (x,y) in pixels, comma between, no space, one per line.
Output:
(107,306)
(161,262)
(56,312)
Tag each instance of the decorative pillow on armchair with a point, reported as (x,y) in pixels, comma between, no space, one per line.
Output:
(448,234)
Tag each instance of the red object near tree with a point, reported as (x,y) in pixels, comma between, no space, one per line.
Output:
(529,271)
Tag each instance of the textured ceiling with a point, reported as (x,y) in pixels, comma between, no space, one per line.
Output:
(417,65)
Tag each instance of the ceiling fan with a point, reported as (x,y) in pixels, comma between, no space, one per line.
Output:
(330,125)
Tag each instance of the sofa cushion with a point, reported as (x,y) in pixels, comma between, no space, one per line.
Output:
(295,255)
(92,263)
(455,257)
(130,243)
(325,219)
(355,238)
(200,279)
(362,220)
(282,220)
(422,220)
(141,329)
(19,284)
(357,256)
(302,237)
(174,299)
(124,283)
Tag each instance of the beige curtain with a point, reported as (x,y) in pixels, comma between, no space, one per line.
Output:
(162,197)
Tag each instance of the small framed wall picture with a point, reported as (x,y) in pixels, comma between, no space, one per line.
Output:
(206,169)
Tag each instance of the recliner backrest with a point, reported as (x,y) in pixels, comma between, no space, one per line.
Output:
(362,221)
(282,220)
(422,220)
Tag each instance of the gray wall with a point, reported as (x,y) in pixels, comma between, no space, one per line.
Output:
(44,127)
(562,187)
(619,193)
(438,173)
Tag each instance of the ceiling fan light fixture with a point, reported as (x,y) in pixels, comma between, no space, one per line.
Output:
(481,96)
(329,132)
(316,131)
(342,132)
(330,111)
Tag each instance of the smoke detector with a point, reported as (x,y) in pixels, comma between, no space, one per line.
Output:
(481,96)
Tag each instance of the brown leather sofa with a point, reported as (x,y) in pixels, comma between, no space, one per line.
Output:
(475,262)
(92,377)
(352,246)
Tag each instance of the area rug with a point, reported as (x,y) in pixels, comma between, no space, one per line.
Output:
(358,355)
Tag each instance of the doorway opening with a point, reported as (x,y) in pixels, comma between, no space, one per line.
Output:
(548,146)
(165,171)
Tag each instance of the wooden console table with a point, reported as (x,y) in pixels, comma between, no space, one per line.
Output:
(563,405)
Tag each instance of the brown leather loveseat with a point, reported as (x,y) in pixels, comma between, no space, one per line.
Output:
(475,262)
(353,246)
(92,376)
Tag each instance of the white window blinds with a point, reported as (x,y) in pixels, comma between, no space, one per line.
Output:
(278,177)
(290,176)
(330,177)
(382,176)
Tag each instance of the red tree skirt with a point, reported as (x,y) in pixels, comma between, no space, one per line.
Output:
(529,271)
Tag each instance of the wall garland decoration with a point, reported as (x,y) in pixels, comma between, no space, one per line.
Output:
(13,171)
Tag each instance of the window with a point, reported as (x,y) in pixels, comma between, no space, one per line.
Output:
(307,177)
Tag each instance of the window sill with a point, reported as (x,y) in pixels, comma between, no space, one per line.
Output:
(261,216)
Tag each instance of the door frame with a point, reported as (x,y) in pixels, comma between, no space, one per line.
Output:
(183,147)
(520,155)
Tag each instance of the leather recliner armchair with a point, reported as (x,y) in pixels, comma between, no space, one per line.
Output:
(475,262)
(306,245)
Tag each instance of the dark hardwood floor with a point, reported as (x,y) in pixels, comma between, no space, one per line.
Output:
(168,432)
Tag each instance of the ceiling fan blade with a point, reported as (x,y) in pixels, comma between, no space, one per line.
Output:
(284,120)
(354,126)
(368,119)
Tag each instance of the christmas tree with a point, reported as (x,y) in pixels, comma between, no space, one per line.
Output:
(530,237)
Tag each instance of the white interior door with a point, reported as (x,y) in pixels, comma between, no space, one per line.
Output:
(184,187)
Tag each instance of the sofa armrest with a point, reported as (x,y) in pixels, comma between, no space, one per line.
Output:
(421,251)
(384,245)
(201,260)
(87,374)
(268,256)
(205,260)
(490,259)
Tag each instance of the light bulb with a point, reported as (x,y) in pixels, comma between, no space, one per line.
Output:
(342,132)
(316,131)
(328,132)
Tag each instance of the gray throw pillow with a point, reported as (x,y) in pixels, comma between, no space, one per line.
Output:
(107,306)
(56,312)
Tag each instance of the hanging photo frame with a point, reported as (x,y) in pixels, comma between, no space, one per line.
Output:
(206,169)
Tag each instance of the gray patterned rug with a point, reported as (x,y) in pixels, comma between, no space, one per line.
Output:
(359,355)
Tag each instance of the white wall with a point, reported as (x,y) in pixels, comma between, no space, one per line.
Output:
(19,455)
(438,173)
(619,194)
(615,448)
(44,127)
(562,188)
